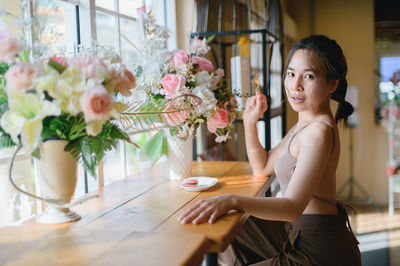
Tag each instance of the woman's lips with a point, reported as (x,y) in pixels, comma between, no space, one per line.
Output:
(297,99)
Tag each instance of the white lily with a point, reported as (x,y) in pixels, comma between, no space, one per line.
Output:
(24,117)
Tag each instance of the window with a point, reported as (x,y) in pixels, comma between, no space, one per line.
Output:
(389,65)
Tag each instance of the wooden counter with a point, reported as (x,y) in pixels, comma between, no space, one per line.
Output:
(134,222)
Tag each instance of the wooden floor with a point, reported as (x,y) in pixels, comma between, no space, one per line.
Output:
(378,231)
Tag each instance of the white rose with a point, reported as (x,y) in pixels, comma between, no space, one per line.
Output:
(208,100)
(203,79)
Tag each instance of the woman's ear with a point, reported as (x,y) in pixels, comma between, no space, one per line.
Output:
(334,84)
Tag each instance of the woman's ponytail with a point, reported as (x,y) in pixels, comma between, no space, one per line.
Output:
(345,109)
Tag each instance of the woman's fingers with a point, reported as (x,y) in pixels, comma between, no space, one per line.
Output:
(203,216)
(213,217)
(205,210)
(191,212)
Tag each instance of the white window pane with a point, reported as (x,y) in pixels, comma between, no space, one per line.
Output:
(276,131)
(108,4)
(51,30)
(276,90)
(15,206)
(80,185)
(113,165)
(106,27)
(129,7)
(157,8)
(261,132)
(131,30)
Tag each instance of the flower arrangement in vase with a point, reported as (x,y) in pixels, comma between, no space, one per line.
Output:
(197,94)
(173,76)
(71,100)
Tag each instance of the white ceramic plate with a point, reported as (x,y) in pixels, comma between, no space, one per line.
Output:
(203,183)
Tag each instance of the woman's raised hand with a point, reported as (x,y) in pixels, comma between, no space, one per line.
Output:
(207,210)
(255,107)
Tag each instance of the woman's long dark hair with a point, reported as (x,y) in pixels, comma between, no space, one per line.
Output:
(334,66)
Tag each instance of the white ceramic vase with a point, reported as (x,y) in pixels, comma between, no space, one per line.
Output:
(179,157)
(57,180)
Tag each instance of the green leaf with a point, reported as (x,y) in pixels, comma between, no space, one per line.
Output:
(3,68)
(173,131)
(210,38)
(139,71)
(154,148)
(111,131)
(5,139)
(36,153)
(24,56)
(92,151)
(57,66)
(74,148)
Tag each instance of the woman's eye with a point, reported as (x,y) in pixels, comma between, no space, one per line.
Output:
(309,76)
(290,74)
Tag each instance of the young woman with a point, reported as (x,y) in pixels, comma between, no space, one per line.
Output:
(307,226)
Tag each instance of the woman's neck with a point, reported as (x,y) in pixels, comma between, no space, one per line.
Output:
(309,115)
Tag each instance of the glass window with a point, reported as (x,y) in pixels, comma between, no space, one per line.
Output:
(105,26)
(108,4)
(55,26)
(129,29)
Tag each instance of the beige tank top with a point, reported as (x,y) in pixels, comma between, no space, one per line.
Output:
(286,163)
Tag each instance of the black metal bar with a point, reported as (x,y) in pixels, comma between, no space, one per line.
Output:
(194,155)
(205,25)
(234,16)
(78,30)
(249,12)
(85,176)
(238,32)
(283,106)
(265,14)
(219,30)
(266,115)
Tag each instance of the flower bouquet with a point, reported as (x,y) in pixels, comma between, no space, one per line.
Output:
(196,91)
(58,106)
(70,99)
(390,106)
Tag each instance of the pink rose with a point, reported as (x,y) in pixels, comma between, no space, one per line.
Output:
(175,118)
(180,58)
(171,85)
(96,103)
(125,81)
(91,66)
(203,64)
(220,119)
(19,77)
(9,46)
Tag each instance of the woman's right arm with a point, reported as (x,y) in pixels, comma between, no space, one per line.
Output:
(261,162)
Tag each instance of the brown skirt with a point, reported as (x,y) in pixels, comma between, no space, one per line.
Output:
(313,239)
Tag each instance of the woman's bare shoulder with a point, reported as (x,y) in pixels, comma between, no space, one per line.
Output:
(317,132)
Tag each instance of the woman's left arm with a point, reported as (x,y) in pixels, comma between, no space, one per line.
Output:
(315,144)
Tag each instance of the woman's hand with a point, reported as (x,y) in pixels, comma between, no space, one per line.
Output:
(255,107)
(208,210)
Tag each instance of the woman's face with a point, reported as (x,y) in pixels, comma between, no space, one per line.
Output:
(305,83)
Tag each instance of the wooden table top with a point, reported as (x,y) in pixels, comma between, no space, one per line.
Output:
(134,221)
